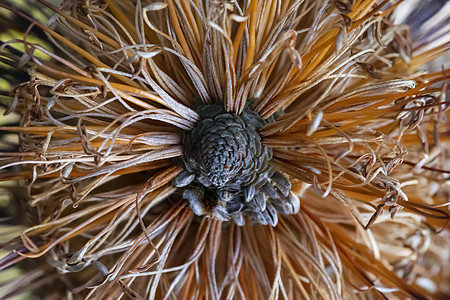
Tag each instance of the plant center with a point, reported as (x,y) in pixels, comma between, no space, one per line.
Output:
(227,172)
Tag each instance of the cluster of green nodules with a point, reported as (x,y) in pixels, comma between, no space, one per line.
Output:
(227,172)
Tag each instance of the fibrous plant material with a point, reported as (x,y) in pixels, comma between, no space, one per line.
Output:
(165,148)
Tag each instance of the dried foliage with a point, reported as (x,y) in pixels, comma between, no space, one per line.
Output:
(361,131)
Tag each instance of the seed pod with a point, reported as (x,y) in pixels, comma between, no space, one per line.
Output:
(224,156)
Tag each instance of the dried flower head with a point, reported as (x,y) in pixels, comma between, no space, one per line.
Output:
(228,169)
(165,148)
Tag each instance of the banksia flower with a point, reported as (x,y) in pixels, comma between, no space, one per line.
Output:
(230,150)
